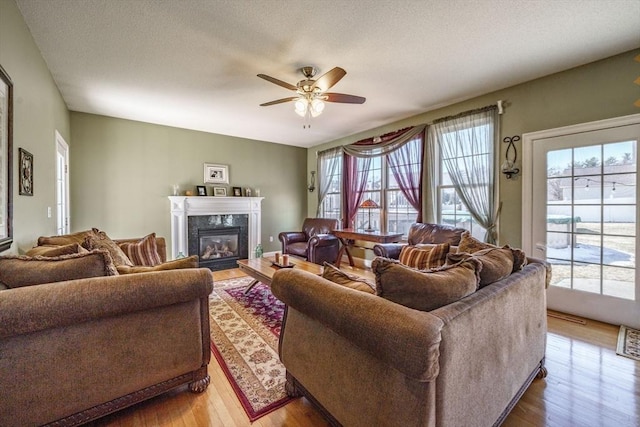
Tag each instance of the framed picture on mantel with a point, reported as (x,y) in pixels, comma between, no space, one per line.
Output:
(216,174)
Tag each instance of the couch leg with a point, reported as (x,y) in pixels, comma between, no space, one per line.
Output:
(290,386)
(542,371)
(200,385)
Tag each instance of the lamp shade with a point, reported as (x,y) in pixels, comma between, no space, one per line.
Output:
(369,204)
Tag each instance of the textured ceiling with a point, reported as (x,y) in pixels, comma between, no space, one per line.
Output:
(193,63)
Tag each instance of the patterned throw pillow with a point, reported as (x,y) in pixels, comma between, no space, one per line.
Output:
(65,239)
(425,290)
(20,270)
(334,274)
(144,252)
(424,257)
(470,244)
(497,263)
(100,240)
(188,262)
(54,251)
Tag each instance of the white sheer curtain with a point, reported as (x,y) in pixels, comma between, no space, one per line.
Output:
(328,161)
(467,145)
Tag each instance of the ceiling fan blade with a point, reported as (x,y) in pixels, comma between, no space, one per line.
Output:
(329,79)
(344,98)
(278,82)
(279,101)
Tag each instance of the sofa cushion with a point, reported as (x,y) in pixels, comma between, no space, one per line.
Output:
(54,251)
(334,274)
(21,270)
(99,240)
(65,239)
(497,263)
(424,257)
(470,244)
(298,248)
(142,252)
(188,262)
(425,290)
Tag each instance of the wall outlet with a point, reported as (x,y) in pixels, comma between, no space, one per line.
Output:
(49,212)
(271,238)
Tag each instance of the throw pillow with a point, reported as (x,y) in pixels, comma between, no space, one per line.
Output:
(424,257)
(334,274)
(21,270)
(470,244)
(497,263)
(65,239)
(425,290)
(55,251)
(100,240)
(188,262)
(143,252)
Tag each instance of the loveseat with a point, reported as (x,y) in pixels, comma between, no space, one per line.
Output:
(365,359)
(74,350)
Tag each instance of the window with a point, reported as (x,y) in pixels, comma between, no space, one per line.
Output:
(330,167)
(465,147)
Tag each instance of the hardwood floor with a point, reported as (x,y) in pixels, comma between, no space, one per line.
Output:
(587,385)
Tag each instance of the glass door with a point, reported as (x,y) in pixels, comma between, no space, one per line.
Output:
(584,221)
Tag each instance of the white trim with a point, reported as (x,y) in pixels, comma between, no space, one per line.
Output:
(528,139)
(63,148)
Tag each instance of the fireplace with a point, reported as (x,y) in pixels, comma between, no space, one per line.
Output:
(218,240)
(218,247)
(201,221)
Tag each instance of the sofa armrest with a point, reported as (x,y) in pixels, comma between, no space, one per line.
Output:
(287,237)
(405,339)
(322,240)
(39,307)
(388,250)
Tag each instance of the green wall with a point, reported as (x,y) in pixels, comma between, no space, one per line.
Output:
(122,172)
(38,111)
(595,91)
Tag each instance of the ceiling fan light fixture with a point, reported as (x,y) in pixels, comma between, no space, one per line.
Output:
(300,107)
(317,107)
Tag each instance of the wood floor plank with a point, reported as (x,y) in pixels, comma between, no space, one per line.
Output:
(587,385)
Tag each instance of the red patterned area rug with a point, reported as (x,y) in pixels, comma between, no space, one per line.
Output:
(244,340)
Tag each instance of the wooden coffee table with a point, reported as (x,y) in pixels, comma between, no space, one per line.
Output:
(262,269)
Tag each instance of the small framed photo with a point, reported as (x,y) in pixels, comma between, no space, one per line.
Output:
(216,174)
(201,190)
(237,191)
(25,184)
(219,191)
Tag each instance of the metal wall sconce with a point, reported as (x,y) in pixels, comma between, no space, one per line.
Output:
(509,166)
(312,184)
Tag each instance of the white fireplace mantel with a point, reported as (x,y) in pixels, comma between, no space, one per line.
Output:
(182,207)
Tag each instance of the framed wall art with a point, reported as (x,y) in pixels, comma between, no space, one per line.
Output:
(216,174)
(6,150)
(26,173)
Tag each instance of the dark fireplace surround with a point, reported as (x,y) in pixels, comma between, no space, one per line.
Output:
(218,240)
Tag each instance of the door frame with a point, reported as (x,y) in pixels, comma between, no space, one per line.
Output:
(62,147)
(581,304)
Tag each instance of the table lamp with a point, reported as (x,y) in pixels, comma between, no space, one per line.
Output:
(369,204)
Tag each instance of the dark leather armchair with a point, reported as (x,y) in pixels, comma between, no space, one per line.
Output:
(313,243)
(421,233)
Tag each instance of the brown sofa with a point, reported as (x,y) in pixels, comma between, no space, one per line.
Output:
(421,233)
(314,243)
(365,360)
(75,350)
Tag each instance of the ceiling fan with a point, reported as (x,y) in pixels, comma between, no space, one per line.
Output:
(312,94)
